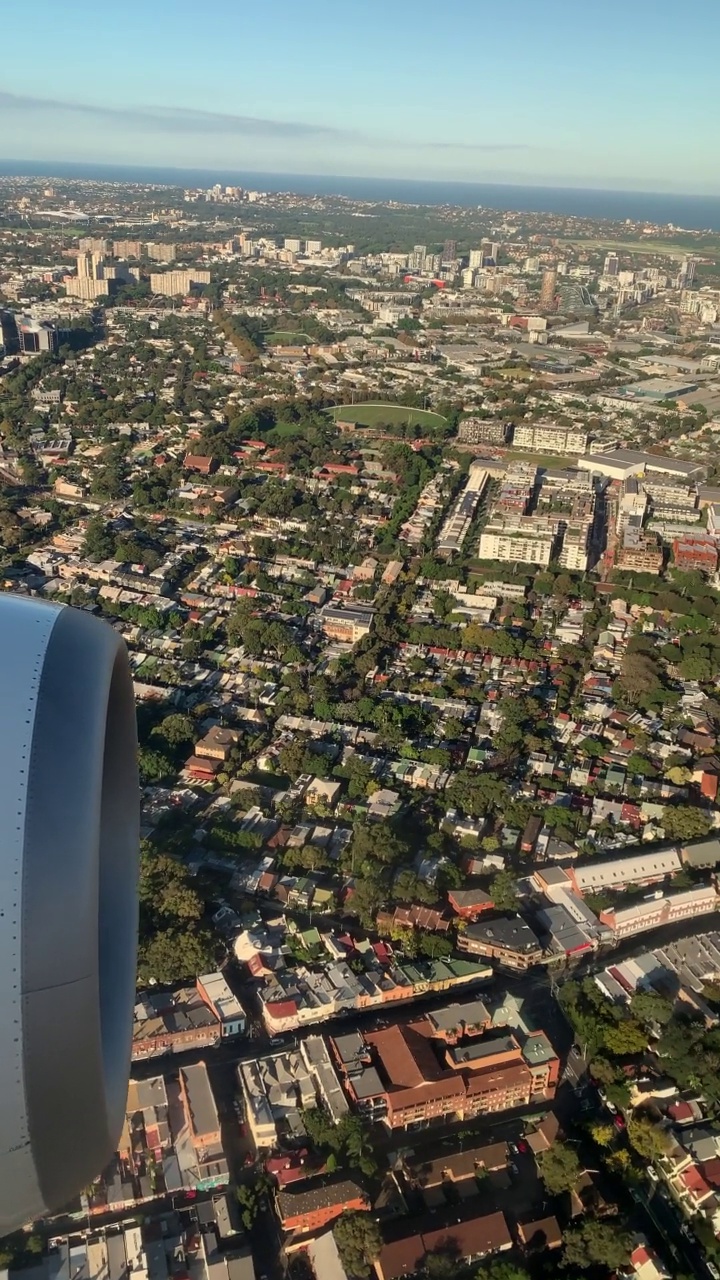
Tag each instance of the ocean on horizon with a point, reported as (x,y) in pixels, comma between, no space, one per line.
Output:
(691,212)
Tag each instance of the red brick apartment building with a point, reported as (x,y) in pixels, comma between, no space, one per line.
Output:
(414,1073)
(308,1211)
(695,552)
(464,1241)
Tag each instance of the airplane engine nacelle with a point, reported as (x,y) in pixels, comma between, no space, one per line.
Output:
(69,836)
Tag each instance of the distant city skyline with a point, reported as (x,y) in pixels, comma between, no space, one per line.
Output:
(557,94)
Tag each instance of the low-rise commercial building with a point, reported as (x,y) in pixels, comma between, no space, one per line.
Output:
(637,868)
(507,939)
(224,1003)
(201,1132)
(660,910)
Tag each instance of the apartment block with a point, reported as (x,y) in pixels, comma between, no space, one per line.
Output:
(93,244)
(409,1074)
(307,1211)
(464,1240)
(696,552)
(547,438)
(516,542)
(160,252)
(478,431)
(575,548)
(456,527)
(171,283)
(127,248)
(346,624)
(508,940)
(639,550)
(86,288)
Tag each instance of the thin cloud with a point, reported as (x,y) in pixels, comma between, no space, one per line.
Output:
(477,146)
(183,120)
(177,119)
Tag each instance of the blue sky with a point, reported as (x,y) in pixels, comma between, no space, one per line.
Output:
(602,93)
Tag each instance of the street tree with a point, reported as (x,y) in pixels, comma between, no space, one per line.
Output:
(559,1168)
(594,1243)
(503,892)
(359,1242)
(647,1137)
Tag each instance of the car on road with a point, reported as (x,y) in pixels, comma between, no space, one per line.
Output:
(523,1146)
(712,1269)
(619,1121)
(651,1173)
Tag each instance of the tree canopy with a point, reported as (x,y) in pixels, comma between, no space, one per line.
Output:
(357,1236)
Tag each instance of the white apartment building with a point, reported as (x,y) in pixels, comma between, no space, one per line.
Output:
(499,543)
(632,505)
(574,554)
(455,529)
(547,438)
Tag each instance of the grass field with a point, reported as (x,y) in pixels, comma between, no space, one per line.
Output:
(285,431)
(286,338)
(368,415)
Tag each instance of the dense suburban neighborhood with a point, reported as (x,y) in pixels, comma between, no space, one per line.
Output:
(415,553)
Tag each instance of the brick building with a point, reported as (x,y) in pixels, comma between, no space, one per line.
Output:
(190,1018)
(306,1211)
(465,1242)
(173,1021)
(468,904)
(201,1128)
(420,1071)
(507,939)
(695,552)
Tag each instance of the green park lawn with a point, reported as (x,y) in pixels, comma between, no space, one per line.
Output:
(287,338)
(370,414)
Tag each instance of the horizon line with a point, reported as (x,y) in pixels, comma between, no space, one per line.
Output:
(528,184)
